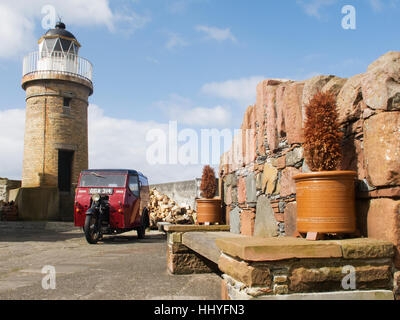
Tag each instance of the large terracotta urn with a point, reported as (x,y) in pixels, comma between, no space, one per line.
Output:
(326,202)
(209,211)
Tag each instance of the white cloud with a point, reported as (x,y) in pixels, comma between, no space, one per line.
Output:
(376,5)
(379,5)
(313,7)
(18,20)
(12,124)
(113,143)
(175,40)
(241,90)
(184,111)
(216,33)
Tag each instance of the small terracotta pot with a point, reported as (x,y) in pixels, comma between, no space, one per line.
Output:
(209,210)
(326,202)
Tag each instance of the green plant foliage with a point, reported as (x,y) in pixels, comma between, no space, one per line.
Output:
(322,136)
(208,185)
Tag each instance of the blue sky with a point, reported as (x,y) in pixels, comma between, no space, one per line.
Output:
(194,61)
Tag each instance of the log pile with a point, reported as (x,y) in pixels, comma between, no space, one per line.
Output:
(164,209)
(8,211)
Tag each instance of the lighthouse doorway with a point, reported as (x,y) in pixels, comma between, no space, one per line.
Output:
(65,158)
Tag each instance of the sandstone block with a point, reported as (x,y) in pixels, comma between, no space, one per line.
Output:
(384,222)
(241,271)
(247,221)
(242,190)
(270,178)
(349,99)
(334,85)
(227,215)
(313,85)
(281,289)
(290,217)
(292,100)
(383,76)
(188,263)
(366,248)
(382,149)
(278,249)
(353,158)
(397,285)
(271,121)
(330,278)
(280,107)
(288,185)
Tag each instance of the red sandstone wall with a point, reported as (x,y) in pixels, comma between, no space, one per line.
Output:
(271,151)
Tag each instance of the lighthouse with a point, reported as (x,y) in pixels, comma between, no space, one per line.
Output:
(58,83)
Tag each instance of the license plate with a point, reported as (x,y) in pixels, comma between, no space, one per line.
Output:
(101,191)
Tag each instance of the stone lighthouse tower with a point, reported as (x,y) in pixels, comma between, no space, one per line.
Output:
(58,83)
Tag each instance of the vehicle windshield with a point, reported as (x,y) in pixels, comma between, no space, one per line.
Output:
(103,180)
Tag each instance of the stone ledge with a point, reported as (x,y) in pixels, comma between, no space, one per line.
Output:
(195,228)
(366,248)
(204,243)
(275,249)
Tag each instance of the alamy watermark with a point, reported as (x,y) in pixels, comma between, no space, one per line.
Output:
(188,146)
(349,281)
(50,16)
(49,280)
(349,21)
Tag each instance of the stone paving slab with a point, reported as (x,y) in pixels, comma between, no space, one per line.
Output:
(283,248)
(273,249)
(204,243)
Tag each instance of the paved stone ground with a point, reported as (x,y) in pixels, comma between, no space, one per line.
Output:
(120,267)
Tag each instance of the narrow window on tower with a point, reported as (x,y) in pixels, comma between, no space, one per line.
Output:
(67,105)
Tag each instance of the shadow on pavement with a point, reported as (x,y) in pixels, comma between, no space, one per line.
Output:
(38,235)
(123,239)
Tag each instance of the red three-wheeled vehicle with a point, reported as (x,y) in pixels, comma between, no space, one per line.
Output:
(111,202)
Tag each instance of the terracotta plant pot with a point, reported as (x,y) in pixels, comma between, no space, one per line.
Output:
(209,210)
(326,202)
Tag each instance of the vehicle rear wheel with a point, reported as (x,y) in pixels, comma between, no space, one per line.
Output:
(92,233)
(141,231)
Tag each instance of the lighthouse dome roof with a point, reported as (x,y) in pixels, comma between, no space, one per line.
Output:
(60,30)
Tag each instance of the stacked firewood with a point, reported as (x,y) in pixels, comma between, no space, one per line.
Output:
(8,211)
(164,209)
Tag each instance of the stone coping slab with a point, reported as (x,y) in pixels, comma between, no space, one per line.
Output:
(204,243)
(284,248)
(195,228)
(339,295)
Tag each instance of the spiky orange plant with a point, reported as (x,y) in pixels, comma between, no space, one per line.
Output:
(322,135)
(208,185)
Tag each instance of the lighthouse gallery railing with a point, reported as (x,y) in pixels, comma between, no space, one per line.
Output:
(57,62)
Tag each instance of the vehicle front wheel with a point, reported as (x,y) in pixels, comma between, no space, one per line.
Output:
(92,233)
(141,232)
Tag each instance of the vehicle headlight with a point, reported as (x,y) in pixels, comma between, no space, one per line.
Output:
(96,197)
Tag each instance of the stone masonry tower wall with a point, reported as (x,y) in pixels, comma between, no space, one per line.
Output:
(52,125)
(259,192)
